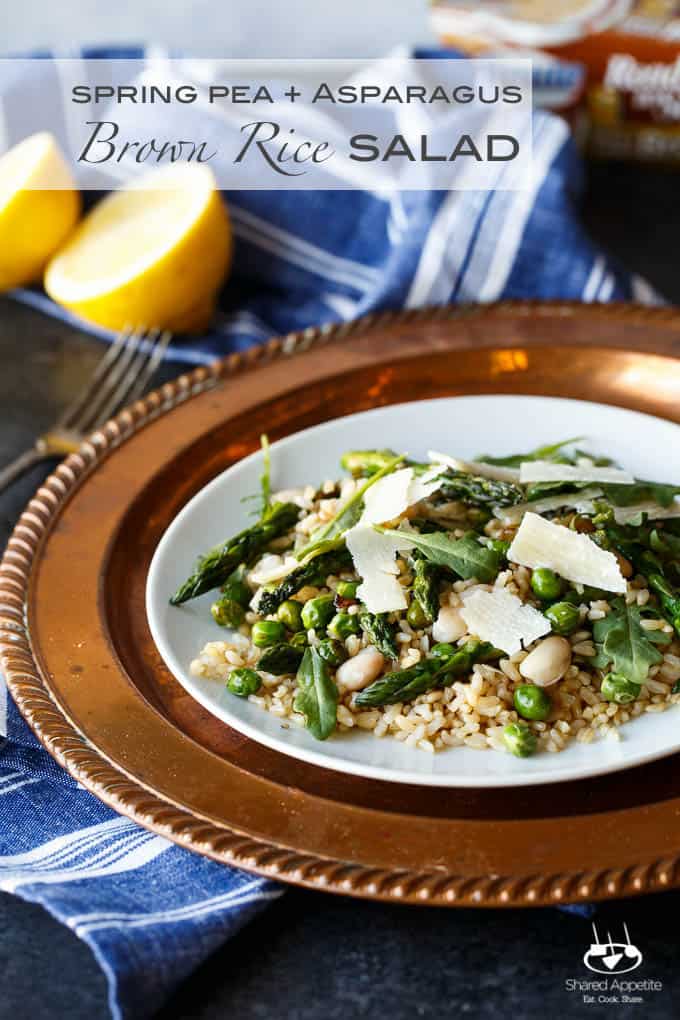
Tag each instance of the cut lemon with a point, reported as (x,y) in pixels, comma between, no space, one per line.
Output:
(154,254)
(39,207)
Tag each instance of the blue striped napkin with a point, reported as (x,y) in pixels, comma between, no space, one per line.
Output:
(150,911)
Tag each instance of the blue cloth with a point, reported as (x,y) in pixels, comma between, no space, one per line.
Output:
(151,911)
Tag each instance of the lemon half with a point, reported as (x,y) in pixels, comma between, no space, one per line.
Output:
(152,255)
(39,207)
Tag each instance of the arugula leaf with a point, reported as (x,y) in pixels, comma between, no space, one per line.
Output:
(669,598)
(597,461)
(330,535)
(317,695)
(537,490)
(665,543)
(621,639)
(551,452)
(464,556)
(658,567)
(640,492)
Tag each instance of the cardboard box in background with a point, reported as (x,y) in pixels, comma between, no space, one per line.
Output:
(628,50)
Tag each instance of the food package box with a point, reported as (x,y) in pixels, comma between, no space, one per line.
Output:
(629,51)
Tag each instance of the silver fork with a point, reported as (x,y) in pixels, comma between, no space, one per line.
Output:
(120,378)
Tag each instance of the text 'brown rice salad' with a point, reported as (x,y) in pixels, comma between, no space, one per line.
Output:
(514,603)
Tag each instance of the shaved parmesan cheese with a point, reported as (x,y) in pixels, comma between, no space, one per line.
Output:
(503,619)
(655,512)
(272,568)
(476,467)
(549,471)
(581,501)
(423,486)
(540,543)
(395,493)
(388,498)
(373,555)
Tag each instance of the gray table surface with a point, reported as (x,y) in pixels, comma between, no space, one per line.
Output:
(311,956)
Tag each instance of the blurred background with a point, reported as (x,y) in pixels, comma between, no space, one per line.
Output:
(253,28)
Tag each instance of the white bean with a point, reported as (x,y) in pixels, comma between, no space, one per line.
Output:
(449,625)
(359,671)
(548,662)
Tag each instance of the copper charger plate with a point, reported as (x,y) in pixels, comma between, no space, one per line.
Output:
(80,662)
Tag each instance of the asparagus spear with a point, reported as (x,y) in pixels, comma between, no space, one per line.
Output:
(481,491)
(381,633)
(408,684)
(366,462)
(426,586)
(315,571)
(280,659)
(214,568)
(266,478)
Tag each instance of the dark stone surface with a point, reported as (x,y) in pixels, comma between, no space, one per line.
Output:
(311,956)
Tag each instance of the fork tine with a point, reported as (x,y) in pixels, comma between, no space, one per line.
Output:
(154,360)
(137,371)
(118,379)
(81,402)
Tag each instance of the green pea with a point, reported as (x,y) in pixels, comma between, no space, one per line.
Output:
(443,650)
(228,613)
(267,632)
(616,687)
(564,617)
(317,612)
(244,682)
(299,640)
(332,652)
(519,740)
(415,615)
(532,702)
(347,589)
(546,585)
(289,614)
(344,624)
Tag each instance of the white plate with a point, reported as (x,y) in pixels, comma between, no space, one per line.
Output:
(463,426)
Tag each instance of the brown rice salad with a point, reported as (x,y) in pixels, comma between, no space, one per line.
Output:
(512,603)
